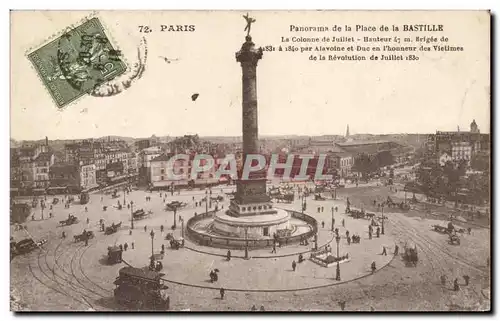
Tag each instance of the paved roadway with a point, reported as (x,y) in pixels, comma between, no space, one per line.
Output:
(68,276)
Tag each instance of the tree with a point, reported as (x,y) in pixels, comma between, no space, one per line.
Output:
(480,161)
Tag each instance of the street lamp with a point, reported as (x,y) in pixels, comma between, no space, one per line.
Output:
(175,218)
(333,219)
(152,238)
(246,243)
(206,202)
(182,227)
(383,218)
(132,214)
(337,238)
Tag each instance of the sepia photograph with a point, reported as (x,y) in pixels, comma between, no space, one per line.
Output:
(250,161)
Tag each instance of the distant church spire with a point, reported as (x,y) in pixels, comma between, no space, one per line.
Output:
(347,131)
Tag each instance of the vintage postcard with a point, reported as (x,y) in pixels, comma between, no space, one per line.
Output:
(250,161)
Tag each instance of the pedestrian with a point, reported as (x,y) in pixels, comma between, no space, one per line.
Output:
(469,230)
(160,194)
(323,224)
(222,292)
(348,240)
(63,235)
(254,308)
(342,305)
(384,250)
(346,233)
(125,247)
(262,308)
(322,209)
(396,250)
(161,228)
(145,228)
(88,220)
(50,214)
(443,279)
(195,214)
(274,248)
(86,209)
(370,235)
(86,241)
(133,245)
(228,256)
(121,247)
(374,267)
(378,231)
(343,223)
(466,279)
(319,209)
(455,285)
(294,265)
(163,248)
(193,198)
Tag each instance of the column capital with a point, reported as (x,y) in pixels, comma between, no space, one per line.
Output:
(248,52)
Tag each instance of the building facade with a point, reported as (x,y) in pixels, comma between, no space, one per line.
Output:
(42,166)
(88,179)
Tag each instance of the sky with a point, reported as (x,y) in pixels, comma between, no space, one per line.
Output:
(296,96)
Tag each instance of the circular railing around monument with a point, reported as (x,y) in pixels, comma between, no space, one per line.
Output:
(239,243)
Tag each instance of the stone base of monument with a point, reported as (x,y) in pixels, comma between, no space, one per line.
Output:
(224,230)
(252,227)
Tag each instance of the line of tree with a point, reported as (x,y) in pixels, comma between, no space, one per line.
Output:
(367,164)
(449,181)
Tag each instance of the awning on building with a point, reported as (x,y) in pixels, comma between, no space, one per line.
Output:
(114,179)
(56,188)
(39,190)
(13,189)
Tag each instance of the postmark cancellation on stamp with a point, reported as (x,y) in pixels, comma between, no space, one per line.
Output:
(76,62)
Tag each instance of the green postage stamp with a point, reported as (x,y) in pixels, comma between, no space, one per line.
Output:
(76,62)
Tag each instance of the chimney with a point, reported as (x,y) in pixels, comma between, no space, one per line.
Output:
(46,141)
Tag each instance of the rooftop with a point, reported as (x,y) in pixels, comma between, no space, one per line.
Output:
(44,157)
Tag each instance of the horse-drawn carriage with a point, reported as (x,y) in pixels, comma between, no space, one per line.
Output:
(141,289)
(84,198)
(86,235)
(115,194)
(71,220)
(140,214)
(440,229)
(357,214)
(175,205)
(444,230)
(55,200)
(454,239)
(174,243)
(114,254)
(218,198)
(155,263)
(286,198)
(319,197)
(410,255)
(112,229)
(370,216)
